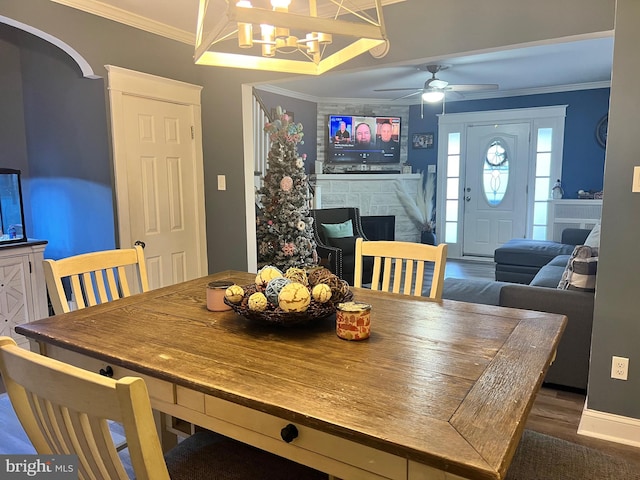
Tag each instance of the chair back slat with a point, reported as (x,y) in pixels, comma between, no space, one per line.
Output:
(399,267)
(96,277)
(65,410)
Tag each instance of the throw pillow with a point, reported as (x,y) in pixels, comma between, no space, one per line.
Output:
(338,230)
(580,273)
(593,239)
(346,244)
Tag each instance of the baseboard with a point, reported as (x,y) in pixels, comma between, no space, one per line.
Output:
(610,427)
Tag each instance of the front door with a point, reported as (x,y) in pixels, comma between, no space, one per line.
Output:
(495,188)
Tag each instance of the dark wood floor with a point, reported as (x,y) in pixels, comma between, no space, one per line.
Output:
(555,412)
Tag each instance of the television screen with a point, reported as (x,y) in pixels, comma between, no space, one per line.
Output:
(363,139)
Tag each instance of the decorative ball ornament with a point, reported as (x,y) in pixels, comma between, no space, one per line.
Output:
(258,302)
(294,297)
(266,274)
(273,289)
(234,293)
(297,275)
(321,293)
(286,184)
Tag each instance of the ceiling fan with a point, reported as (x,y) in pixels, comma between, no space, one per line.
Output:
(434,89)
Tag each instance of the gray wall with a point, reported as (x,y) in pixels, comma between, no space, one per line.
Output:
(616,326)
(449,26)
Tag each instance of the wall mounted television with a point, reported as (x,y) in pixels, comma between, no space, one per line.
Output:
(358,139)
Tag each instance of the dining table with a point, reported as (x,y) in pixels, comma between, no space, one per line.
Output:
(440,390)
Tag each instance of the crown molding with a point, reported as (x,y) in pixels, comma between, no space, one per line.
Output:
(468,96)
(133,20)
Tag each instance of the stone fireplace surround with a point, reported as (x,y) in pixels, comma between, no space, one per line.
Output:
(373,194)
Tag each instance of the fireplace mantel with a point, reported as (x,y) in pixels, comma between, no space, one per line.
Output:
(373,194)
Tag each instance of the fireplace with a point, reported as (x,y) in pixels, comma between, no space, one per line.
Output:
(376,196)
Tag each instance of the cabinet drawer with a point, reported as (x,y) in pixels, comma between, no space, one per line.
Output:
(350,459)
(158,389)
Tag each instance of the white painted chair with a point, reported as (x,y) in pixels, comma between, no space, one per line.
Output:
(405,261)
(96,277)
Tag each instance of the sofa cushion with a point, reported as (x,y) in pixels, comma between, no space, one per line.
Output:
(533,253)
(337,230)
(470,290)
(580,273)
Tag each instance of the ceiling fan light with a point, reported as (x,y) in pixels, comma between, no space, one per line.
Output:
(433,96)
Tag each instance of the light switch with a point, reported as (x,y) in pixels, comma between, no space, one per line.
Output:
(431,169)
(222,182)
(635,186)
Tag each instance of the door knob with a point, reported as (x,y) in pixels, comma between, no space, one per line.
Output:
(468,198)
(141,243)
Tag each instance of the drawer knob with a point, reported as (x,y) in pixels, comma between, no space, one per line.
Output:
(289,433)
(106,372)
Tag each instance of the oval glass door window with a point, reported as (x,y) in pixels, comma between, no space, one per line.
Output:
(495,173)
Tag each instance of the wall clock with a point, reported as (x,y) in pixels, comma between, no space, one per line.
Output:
(601,131)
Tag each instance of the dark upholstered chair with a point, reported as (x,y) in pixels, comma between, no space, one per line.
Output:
(338,254)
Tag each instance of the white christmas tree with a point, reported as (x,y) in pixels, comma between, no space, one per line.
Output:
(284,228)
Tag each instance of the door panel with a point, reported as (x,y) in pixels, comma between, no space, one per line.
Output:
(496,156)
(160,162)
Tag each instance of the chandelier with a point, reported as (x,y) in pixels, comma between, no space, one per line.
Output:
(293,36)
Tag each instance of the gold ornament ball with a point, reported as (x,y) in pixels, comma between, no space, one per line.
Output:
(321,293)
(234,293)
(297,275)
(294,297)
(266,274)
(258,302)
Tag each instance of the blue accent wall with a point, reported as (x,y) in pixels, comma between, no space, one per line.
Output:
(67,190)
(583,157)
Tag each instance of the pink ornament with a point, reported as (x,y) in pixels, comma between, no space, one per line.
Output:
(288,249)
(286,183)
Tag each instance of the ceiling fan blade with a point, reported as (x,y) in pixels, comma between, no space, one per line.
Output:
(407,95)
(472,88)
(397,89)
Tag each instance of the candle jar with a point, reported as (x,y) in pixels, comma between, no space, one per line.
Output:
(215,296)
(353,320)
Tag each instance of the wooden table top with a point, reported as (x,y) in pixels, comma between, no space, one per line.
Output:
(448,384)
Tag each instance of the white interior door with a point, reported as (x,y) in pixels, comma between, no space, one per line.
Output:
(495,188)
(159,173)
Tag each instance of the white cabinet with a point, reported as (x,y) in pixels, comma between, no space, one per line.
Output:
(23,292)
(572,214)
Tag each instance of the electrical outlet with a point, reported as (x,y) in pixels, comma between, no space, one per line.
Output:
(619,368)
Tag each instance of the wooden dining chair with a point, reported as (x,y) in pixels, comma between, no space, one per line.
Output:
(96,277)
(65,411)
(402,263)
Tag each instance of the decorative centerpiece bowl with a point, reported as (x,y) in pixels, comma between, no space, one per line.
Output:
(273,314)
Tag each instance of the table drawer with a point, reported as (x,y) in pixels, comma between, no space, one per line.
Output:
(347,459)
(158,389)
